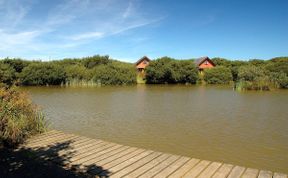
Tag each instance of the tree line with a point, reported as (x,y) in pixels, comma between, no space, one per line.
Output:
(253,74)
(95,70)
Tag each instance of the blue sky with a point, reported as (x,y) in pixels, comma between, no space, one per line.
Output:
(127,30)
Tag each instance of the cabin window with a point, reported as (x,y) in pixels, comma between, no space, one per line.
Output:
(144,62)
(206,62)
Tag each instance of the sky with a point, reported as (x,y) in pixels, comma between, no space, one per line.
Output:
(129,29)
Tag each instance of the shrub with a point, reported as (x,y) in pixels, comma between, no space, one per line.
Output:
(42,74)
(168,70)
(253,78)
(90,62)
(279,79)
(113,74)
(275,67)
(19,118)
(17,64)
(7,74)
(218,75)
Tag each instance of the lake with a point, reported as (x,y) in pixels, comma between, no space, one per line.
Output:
(206,122)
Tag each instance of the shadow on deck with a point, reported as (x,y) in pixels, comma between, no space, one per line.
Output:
(40,162)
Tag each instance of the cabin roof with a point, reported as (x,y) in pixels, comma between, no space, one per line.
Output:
(141,59)
(200,60)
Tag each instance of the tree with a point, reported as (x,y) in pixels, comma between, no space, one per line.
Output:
(222,62)
(112,74)
(7,74)
(90,62)
(17,64)
(218,75)
(280,79)
(168,70)
(42,74)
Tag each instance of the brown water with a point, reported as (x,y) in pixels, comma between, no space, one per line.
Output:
(213,123)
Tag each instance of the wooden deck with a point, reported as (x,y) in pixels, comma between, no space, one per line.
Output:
(99,158)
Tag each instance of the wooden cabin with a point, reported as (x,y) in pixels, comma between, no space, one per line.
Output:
(204,63)
(142,63)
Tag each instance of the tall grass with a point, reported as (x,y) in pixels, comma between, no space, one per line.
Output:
(82,83)
(19,118)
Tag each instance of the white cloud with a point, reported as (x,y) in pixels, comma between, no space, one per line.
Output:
(128,10)
(67,25)
(88,35)
(9,40)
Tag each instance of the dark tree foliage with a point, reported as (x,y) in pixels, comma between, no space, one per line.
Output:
(17,64)
(168,70)
(256,62)
(281,66)
(222,62)
(279,79)
(90,62)
(113,74)
(7,74)
(77,72)
(279,59)
(218,75)
(42,74)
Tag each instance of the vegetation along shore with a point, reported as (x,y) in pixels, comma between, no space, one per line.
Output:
(254,74)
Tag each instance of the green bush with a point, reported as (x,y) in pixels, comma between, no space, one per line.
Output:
(19,118)
(17,64)
(253,78)
(7,74)
(218,75)
(276,67)
(168,70)
(113,74)
(279,79)
(90,62)
(42,74)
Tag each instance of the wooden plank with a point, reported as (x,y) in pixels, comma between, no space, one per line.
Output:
(210,170)
(75,152)
(74,149)
(195,171)
(129,162)
(279,175)
(185,168)
(85,151)
(51,143)
(116,161)
(64,144)
(110,159)
(42,136)
(50,140)
(265,174)
(223,171)
(83,161)
(146,167)
(236,172)
(39,142)
(172,167)
(250,173)
(92,150)
(136,165)
(152,172)
(107,155)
